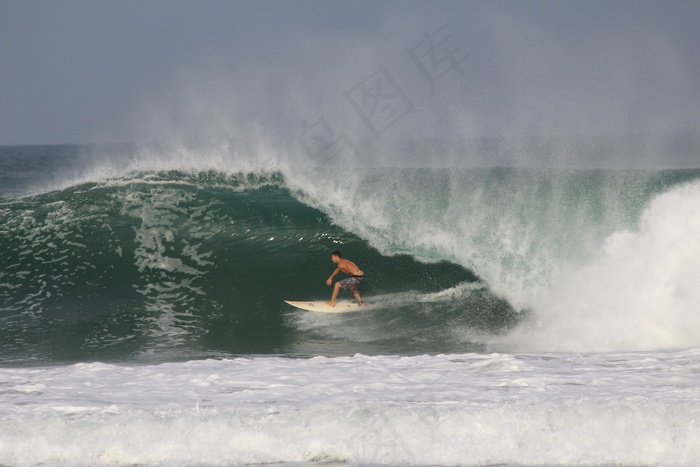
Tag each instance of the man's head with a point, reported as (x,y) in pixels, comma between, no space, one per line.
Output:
(336,256)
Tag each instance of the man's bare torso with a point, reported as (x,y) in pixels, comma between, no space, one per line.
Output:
(349,268)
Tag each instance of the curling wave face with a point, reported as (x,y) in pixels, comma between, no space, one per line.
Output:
(174,265)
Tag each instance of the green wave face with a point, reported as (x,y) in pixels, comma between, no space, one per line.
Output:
(176,266)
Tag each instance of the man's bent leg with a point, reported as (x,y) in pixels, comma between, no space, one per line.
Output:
(356,293)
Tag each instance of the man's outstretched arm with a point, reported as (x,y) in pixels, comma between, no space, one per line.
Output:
(335,273)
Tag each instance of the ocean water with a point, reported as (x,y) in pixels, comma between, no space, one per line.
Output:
(516,316)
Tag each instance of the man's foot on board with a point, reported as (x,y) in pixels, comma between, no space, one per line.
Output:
(330,304)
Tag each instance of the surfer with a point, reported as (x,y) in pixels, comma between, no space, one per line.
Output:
(352,282)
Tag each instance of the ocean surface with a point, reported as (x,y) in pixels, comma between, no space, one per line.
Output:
(516,316)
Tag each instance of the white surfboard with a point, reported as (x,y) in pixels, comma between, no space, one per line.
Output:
(340,307)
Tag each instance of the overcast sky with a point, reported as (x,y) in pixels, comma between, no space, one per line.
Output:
(311,72)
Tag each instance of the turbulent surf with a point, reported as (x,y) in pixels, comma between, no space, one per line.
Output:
(517,315)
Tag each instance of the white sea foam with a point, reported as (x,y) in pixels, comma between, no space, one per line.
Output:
(641,293)
(472,409)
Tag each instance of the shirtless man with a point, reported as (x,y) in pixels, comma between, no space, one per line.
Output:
(352,282)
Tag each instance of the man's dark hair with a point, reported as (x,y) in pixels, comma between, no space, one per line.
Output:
(336,253)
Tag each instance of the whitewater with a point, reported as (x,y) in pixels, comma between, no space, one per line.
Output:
(477,409)
(518,316)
